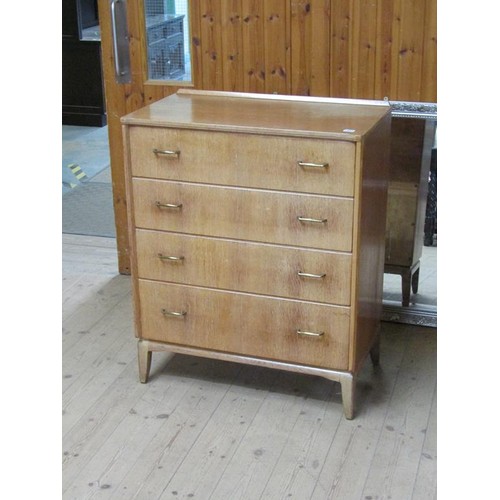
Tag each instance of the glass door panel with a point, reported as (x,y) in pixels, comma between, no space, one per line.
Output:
(167,38)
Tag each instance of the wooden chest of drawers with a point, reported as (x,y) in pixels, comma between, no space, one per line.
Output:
(257,227)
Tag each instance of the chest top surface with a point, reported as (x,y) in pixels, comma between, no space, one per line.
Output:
(344,119)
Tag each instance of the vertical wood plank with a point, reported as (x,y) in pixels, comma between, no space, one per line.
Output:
(212,63)
(320,48)
(340,48)
(383,52)
(232,45)
(429,63)
(396,35)
(276,45)
(134,94)
(254,78)
(196,41)
(310,50)
(300,33)
(364,48)
(410,51)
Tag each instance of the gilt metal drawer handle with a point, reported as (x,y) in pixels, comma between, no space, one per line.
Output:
(305,333)
(312,164)
(173,314)
(172,258)
(168,205)
(168,153)
(310,275)
(309,219)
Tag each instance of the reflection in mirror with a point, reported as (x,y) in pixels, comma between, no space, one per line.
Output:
(167,35)
(410,279)
(422,308)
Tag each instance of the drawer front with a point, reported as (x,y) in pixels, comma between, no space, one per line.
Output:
(267,216)
(246,267)
(245,324)
(173,27)
(244,160)
(155,34)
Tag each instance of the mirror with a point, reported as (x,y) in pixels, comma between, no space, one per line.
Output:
(410,278)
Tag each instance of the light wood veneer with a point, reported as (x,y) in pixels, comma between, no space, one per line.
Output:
(246,214)
(297,273)
(257,228)
(210,158)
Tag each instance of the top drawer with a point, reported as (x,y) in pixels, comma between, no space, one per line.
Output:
(281,163)
(173,27)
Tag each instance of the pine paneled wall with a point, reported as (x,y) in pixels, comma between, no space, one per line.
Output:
(367,49)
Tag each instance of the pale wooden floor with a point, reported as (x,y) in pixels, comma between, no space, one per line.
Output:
(215,430)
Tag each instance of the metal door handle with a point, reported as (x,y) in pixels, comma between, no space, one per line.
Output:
(119,31)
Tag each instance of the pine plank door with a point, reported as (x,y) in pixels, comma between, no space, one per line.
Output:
(137,43)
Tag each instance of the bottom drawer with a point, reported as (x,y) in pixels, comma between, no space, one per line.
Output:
(278,329)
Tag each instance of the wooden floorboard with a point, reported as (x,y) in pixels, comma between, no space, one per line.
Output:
(215,430)
(399,449)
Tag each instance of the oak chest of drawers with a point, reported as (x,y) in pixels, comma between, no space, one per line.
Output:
(257,226)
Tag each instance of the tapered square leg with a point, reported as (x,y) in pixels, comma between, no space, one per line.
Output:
(375,352)
(348,385)
(405,287)
(144,359)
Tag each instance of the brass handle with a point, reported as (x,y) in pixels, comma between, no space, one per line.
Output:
(168,153)
(305,333)
(310,275)
(312,164)
(174,314)
(168,205)
(309,219)
(170,257)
